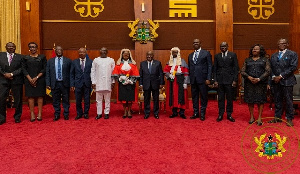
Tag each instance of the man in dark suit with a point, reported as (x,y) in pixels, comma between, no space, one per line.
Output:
(11,78)
(226,76)
(200,66)
(81,83)
(58,80)
(283,64)
(151,79)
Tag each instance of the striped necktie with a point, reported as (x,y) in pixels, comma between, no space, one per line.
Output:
(196,56)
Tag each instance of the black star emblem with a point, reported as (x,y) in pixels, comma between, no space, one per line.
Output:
(270,137)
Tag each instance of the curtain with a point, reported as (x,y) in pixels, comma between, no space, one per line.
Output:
(10,24)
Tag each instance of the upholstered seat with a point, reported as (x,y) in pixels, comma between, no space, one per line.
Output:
(296,89)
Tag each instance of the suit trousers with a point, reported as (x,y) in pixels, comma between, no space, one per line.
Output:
(61,93)
(84,92)
(99,98)
(225,91)
(280,93)
(17,93)
(203,90)
(147,98)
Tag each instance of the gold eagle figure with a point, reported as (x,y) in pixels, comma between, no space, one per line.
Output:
(153,27)
(259,143)
(133,27)
(281,142)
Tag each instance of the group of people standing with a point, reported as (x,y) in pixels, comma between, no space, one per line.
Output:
(60,75)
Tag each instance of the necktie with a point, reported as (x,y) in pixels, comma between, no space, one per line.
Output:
(82,64)
(10,59)
(59,69)
(280,55)
(196,56)
(150,67)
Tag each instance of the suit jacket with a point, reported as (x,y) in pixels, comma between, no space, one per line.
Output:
(285,67)
(51,72)
(154,79)
(15,68)
(200,71)
(78,77)
(226,68)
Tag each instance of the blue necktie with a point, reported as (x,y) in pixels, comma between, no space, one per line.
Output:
(280,55)
(59,69)
(196,57)
(150,66)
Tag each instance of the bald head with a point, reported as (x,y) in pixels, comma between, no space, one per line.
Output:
(223,47)
(103,52)
(82,53)
(150,55)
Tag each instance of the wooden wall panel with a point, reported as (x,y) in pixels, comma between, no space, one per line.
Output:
(30,24)
(142,49)
(295,27)
(224,23)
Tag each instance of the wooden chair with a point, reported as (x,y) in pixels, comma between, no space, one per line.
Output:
(162,99)
(212,90)
(241,91)
(296,90)
(10,100)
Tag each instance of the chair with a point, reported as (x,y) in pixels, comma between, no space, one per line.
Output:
(212,90)
(296,90)
(10,100)
(162,99)
(241,91)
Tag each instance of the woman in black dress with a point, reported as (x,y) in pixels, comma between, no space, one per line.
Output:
(34,68)
(255,71)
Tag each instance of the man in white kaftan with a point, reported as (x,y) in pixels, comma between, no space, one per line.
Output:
(102,82)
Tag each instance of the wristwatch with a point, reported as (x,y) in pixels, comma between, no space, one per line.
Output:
(11,74)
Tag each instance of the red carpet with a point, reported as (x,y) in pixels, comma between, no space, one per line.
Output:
(127,145)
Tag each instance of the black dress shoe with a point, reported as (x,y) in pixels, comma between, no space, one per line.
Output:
(78,117)
(39,119)
(32,120)
(202,118)
(56,118)
(98,116)
(275,120)
(173,115)
(289,123)
(106,116)
(66,117)
(259,123)
(194,116)
(230,118)
(250,122)
(86,116)
(129,116)
(156,116)
(17,120)
(183,116)
(146,116)
(220,118)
